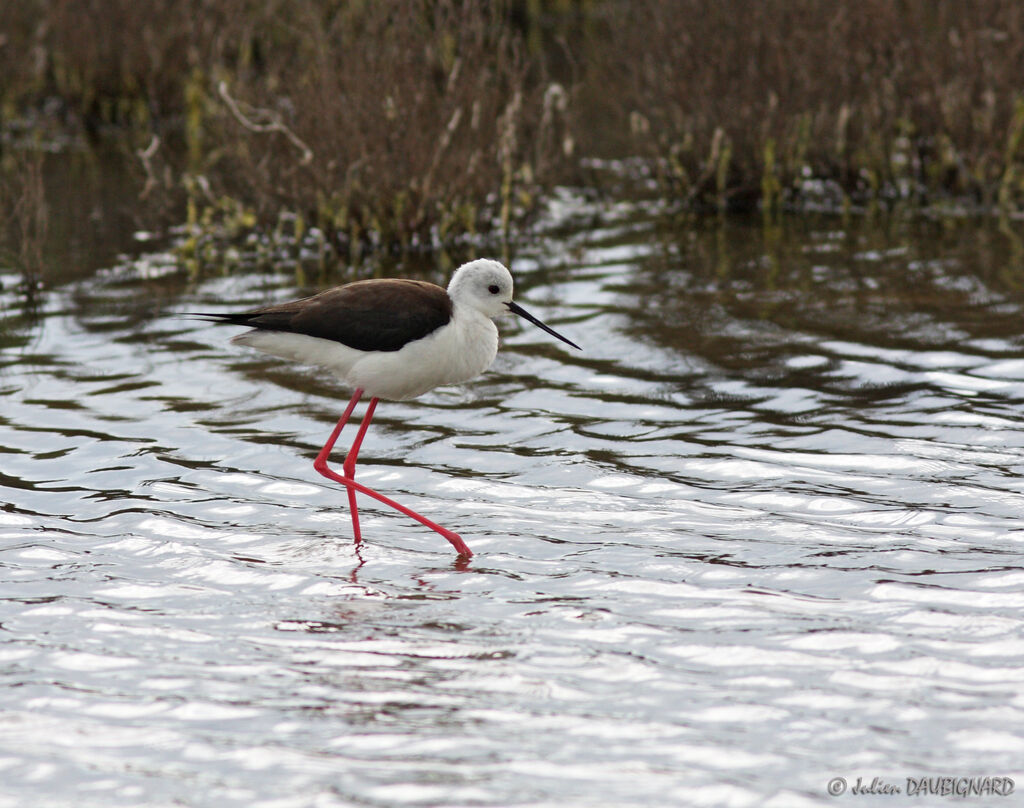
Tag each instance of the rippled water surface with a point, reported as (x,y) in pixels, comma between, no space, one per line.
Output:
(762,532)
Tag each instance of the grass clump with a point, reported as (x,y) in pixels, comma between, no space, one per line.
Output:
(397,125)
(807,101)
(400,125)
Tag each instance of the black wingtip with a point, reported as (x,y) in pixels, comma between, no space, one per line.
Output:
(214,317)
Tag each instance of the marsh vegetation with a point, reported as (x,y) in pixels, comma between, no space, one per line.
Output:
(339,129)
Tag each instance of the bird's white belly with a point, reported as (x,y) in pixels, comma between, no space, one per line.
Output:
(461,350)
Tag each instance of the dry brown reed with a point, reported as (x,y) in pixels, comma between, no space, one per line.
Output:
(390,124)
(24,216)
(747,101)
(409,123)
(398,122)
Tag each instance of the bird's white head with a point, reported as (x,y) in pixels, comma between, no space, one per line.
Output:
(486,285)
(483,284)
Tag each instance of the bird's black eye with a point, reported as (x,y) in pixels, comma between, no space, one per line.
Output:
(493,289)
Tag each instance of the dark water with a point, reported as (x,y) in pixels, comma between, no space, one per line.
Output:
(763,532)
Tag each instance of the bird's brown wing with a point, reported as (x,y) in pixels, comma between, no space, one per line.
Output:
(373,315)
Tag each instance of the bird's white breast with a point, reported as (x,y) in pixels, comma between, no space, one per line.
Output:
(457,352)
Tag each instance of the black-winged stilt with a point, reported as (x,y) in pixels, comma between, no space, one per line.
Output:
(393,339)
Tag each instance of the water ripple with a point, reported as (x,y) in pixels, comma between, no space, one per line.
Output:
(761,533)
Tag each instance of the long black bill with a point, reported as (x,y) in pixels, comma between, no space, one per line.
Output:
(515,308)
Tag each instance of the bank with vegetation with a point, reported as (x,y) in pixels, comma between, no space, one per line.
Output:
(345,127)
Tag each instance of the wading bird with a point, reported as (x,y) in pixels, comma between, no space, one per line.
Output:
(392,339)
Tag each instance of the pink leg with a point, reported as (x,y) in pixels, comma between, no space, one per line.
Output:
(349,466)
(348,478)
(321,459)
